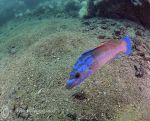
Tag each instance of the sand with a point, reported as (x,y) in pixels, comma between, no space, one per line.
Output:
(36,57)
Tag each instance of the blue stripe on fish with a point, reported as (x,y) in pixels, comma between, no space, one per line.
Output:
(85,58)
(82,68)
(127,40)
(83,64)
(69,82)
(81,60)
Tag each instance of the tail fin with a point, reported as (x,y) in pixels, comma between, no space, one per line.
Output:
(128,41)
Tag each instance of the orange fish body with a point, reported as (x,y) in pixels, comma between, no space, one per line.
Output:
(107,52)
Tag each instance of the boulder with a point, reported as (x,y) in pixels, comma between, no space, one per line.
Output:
(135,10)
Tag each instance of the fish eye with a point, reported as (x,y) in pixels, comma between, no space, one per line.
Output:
(77,75)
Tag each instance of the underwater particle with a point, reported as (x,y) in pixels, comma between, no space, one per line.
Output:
(72,116)
(139,71)
(79,95)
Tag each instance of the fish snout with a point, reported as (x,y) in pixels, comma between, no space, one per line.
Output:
(70,84)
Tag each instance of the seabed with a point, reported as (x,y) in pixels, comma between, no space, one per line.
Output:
(36,56)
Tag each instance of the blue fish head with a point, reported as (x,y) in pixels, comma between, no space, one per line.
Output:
(81,70)
(77,79)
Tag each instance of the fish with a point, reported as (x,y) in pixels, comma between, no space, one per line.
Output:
(92,60)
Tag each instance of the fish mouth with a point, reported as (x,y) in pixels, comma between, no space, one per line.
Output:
(71,84)
(69,87)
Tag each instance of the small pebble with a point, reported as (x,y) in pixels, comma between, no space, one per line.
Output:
(12,50)
(79,95)
(139,33)
(104,27)
(147,57)
(139,71)
(86,23)
(72,116)
(140,88)
(21,111)
(117,33)
(101,37)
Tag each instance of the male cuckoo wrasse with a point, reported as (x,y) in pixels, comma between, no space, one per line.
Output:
(94,59)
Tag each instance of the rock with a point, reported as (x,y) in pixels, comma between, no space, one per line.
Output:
(21,111)
(137,44)
(23,115)
(101,37)
(117,32)
(142,54)
(79,95)
(147,57)
(139,33)
(122,9)
(73,116)
(139,71)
